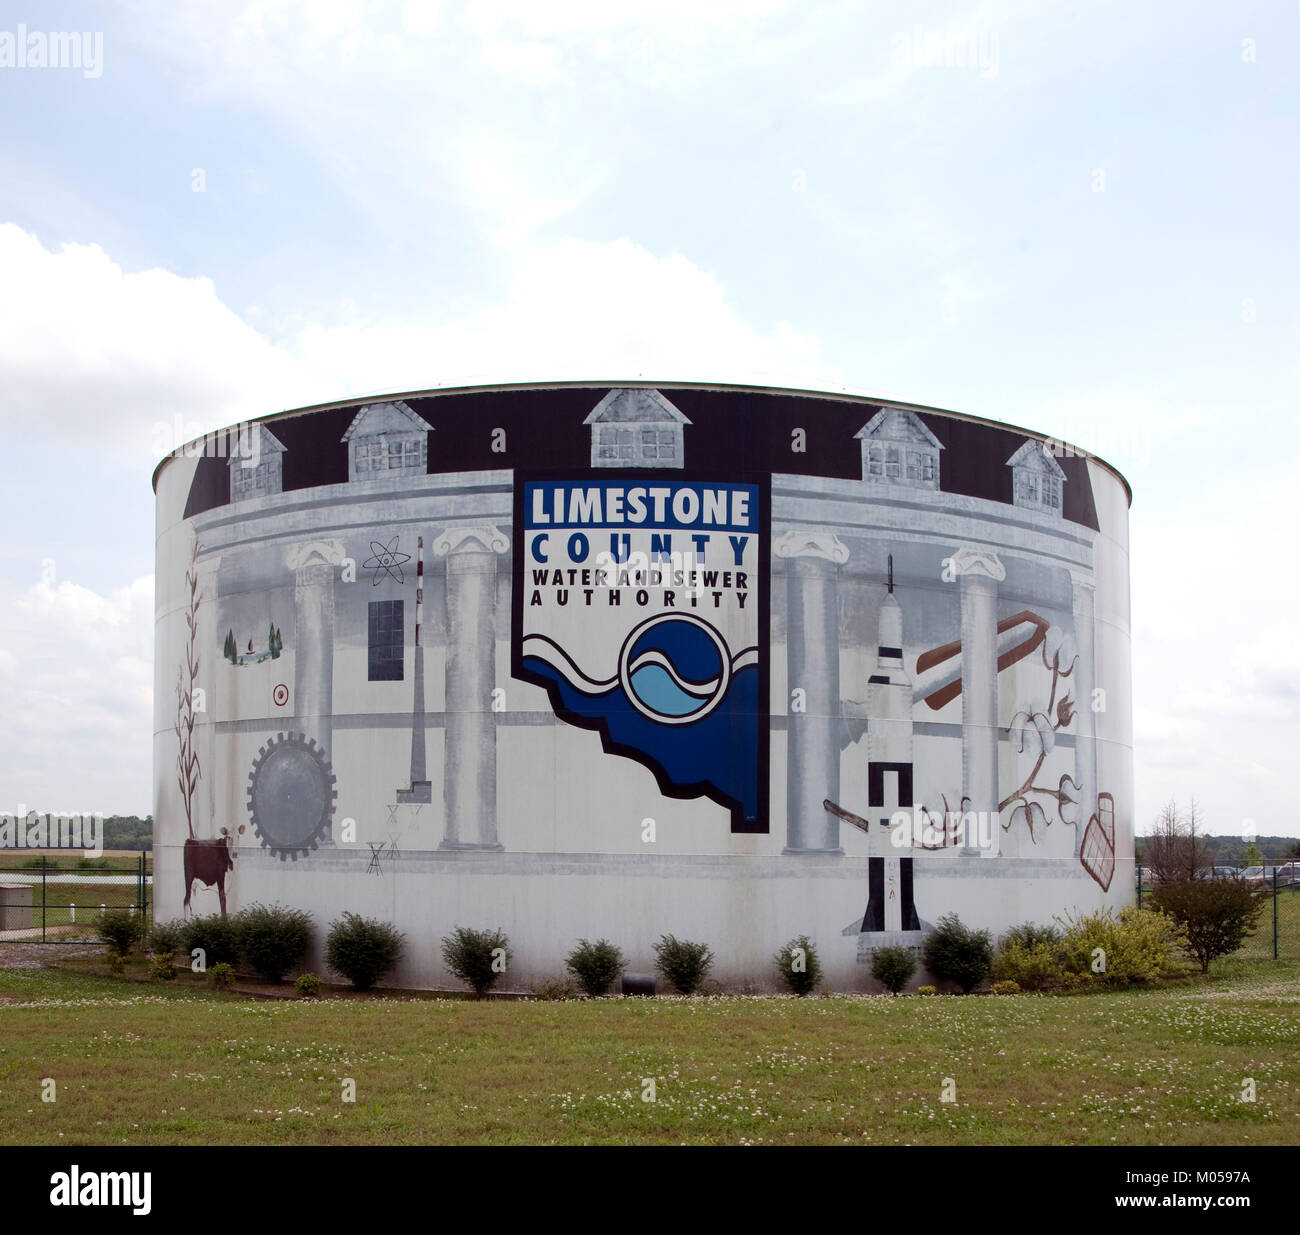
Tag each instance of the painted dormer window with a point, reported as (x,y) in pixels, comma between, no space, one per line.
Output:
(636,428)
(898,449)
(387,440)
(1036,479)
(381,453)
(265,473)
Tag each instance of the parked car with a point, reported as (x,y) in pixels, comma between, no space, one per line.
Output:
(1288,875)
(1284,875)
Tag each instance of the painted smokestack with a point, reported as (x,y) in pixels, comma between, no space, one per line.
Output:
(421,789)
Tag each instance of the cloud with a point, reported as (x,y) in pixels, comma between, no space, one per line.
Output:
(79,707)
(95,354)
(575,309)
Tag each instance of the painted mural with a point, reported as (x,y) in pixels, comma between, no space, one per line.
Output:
(528,628)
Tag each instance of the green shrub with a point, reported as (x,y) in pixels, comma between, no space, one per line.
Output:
(215,936)
(1031,935)
(893,967)
(94,864)
(555,990)
(958,953)
(221,974)
(925,990)
(272,939)
(1138,946)
(1032,966)
(308,985)
(683,964)
(120,929)
(1005,988)
(165,939)
(363,950)
(40,862)
(595,965)
(799,966)
(161,969)
(1215,915)
(477,958)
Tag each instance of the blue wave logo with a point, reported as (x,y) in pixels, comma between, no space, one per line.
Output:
(680,702)
(675,669)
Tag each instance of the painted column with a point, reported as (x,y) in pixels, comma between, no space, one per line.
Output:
(1085,679)
(470,762)
(315,568)
(980,572)
(813,561)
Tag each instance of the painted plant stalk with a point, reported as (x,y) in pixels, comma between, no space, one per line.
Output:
(188,770)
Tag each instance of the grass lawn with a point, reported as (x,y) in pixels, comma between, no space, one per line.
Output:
(160,1065)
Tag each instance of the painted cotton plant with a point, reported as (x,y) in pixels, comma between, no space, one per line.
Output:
(1034,733)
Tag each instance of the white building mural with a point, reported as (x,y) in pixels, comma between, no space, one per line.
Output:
(729,663)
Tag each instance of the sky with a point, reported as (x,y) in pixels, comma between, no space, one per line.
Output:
(1076,218)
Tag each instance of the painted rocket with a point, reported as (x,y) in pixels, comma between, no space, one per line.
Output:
(891,906)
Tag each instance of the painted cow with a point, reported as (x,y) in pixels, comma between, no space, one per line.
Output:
(209,861)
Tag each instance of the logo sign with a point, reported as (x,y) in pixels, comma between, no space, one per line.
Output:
(641,605)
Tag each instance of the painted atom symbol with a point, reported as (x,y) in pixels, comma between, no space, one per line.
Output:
(386,562)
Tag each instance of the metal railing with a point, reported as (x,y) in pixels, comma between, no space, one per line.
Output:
(1278,935)
(58,899)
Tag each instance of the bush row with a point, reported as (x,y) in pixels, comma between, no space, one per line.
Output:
(1137,946)
(271,940)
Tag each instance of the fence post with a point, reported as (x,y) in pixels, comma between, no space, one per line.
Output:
(1139,886)
(1275,913)
(44,860)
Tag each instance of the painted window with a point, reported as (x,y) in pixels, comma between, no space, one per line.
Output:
(1034,489)
(379,453)
(616,443)
(658,445)
(636,443)
(875,461)
(386,640)
(245,481)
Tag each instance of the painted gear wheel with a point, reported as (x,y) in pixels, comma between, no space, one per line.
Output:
(291,795)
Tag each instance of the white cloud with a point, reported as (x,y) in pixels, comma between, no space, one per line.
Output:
(74,732)
(575,309)
(96,354)
(104,357)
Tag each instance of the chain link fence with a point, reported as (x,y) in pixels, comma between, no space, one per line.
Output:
(1278,934)
(59,899)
